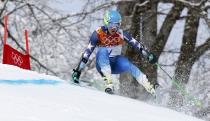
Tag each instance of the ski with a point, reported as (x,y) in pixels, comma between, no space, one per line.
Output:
(93,85)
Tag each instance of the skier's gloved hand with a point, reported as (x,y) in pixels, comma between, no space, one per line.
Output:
(152,58)
(75,75)
(77,72)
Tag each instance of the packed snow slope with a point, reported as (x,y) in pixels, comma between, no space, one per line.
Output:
(29,96)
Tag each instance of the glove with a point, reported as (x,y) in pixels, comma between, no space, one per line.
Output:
(75,75)
(77,72)
(152,58)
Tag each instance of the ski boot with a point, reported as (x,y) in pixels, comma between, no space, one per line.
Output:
(146,84)
(149,87)
(108,85)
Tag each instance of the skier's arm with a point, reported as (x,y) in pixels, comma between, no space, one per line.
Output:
(85,56)
(135,44)
(88,51)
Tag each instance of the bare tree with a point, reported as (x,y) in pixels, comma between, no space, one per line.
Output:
(155,42)
(189,53)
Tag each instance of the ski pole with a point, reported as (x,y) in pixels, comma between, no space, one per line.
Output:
(181,89)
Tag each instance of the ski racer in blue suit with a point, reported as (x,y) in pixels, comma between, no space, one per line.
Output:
(108,40)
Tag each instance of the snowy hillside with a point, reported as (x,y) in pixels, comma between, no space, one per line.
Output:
(29,96)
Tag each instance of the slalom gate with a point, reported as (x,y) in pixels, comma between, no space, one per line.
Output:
(13,57)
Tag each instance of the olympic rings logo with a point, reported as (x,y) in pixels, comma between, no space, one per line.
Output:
(111,41)
(17,59)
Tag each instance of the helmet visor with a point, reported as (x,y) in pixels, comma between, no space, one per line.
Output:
(113,26)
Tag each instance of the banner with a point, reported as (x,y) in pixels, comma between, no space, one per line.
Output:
(12,56)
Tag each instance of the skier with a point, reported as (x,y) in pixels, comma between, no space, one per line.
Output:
(109,40)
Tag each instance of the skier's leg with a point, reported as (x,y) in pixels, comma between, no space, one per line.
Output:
(103,66)
(102,61)
(122,64)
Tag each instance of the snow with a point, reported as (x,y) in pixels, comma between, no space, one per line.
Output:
(64,102)
(9,72)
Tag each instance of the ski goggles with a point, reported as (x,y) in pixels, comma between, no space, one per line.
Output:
(114,26)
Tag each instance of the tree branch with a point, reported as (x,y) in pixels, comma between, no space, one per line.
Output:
(166,28)
(200,50)
(4,7)
(185,2)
